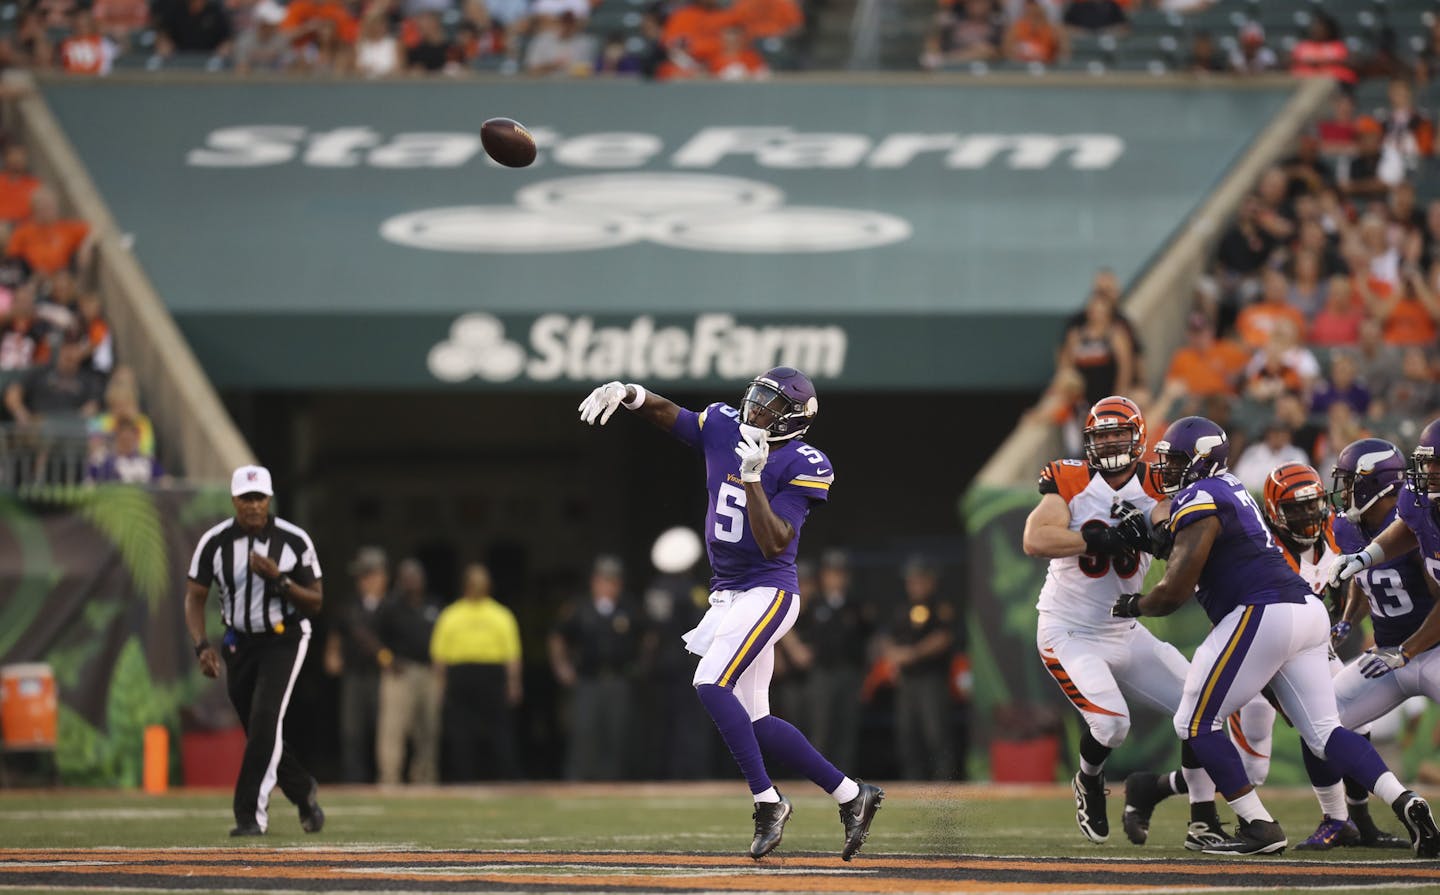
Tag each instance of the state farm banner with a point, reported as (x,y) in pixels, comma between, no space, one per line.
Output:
(697,232)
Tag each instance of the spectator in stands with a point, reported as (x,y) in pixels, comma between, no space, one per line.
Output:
(32,41)
(1338,131)
(764,19)
(61,389)
(1378,257)
(1102,351)
(615,59)
(194,27)
(17,185)
(1247,245)
(738,60)
(1307,286)
(1385,61)
(1408,311)
(86,51)
(561,48)
(1322,53)
(99,344)
(554,9)
(1304,433)
(652,55)
(1307,173)
(1283,365)
(1427,64)
(119,19)
(1359,176)
(431,54)
(1342,427)
(263,46)
(123,461)
(24,335)
(1035,38)
(971,34)
(47,242)
(1251,56)
(378,53)
(1063,406)
(1405,214)
(1415,394)
(1377,361)
(692,37)
(1260,458)
(1257,323)
(122,402)
(355,654)
(1092,16)
(1204,57)
(1338,322)
(1342,385)
(305,19)
(1205,365)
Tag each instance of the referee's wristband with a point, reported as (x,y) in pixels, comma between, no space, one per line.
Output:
(640,394)
(201,647)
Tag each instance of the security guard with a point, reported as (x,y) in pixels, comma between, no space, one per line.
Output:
(918,643)
(268,576)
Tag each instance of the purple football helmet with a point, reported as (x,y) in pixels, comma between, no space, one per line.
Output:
(780,401)
(1193,448)
(1365,471)
(1424,472)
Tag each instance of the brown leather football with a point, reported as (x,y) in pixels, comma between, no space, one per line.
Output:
(507,142)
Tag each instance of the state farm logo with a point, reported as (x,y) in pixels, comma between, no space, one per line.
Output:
(699,212)
(561,347)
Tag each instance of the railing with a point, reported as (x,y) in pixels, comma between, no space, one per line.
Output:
(48,452)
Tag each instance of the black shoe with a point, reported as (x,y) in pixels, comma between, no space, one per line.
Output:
(770,818)
(312,816)
(856,815)
(247,830)
(1372,836)
(1252,837)
(1202,834)
(1414,813)
(1142,794)
(1090,795)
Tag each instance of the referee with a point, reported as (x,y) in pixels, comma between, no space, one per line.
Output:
(269,581)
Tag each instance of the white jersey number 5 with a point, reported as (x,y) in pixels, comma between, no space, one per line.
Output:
(730,513)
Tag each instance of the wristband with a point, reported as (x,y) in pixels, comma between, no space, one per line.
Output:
(201,647)
(1373,553)
(640,394)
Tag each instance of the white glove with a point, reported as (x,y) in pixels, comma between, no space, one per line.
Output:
(1379,661)
(1348,565)
(602,402)
(753,450)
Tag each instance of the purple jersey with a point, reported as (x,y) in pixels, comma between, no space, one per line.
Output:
(1399,599)
(1246,566)
(795,476)
(1421,515)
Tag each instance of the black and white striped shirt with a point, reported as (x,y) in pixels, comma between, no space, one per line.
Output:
(223,559)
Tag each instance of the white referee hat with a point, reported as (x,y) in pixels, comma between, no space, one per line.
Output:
(251,480)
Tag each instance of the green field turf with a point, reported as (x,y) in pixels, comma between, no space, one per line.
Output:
(712,818)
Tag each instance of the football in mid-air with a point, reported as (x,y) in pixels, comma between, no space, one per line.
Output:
(507,142)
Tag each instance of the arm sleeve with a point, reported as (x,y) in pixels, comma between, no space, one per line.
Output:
(792,506)
(1200,506)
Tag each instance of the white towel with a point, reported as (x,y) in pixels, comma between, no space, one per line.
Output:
(698,639)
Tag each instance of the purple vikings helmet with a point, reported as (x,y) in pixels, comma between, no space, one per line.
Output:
(1193,448)
(1424,472)
(1365,471)
(780,401)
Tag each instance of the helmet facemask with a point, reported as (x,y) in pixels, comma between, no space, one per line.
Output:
(1170,468)
(766,407)
(1303,520)
(1424,473)
(1112,446)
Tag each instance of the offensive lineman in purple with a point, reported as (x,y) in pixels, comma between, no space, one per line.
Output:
(795,476)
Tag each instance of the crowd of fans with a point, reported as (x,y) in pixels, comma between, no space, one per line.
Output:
(68,411)
(431,692)
(1316,321)
(385,38)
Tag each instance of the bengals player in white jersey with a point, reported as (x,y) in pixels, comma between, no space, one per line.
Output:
(1094,524)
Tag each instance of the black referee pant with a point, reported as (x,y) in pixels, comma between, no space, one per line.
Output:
(261,671)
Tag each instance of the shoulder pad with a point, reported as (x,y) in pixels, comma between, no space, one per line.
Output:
(719,411)
(1064,477)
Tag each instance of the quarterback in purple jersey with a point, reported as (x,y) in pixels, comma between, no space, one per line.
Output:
(1269,629)
(762,479)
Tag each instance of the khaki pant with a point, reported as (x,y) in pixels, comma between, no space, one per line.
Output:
(409,713)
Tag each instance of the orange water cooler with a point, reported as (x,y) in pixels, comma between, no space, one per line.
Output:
(28,710)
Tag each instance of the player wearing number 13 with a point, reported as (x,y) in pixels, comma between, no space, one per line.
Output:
(762,480)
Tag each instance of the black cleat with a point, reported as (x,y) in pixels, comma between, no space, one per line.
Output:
(856,815)
(770,818)
(1142,794)
(312,816)
(1381,839)
(1414,813)
(1090,795)
(1201,834)
(247,830)
(1252,837)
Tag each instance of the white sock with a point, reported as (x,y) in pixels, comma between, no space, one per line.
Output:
(1202,788)
(1389,788)
(1248,807)
(847,790)
(1332,801)
(769,795)
(1091,770)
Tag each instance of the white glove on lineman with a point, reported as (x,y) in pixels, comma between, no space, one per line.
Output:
(1348,565)
(753,450)
(602,402)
